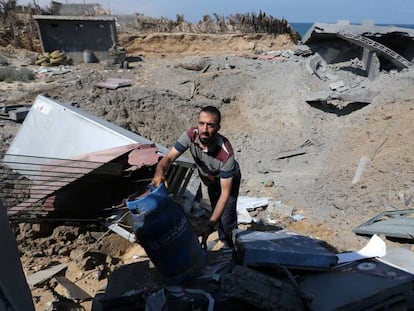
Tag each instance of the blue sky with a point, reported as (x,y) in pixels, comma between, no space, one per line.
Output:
(381,11)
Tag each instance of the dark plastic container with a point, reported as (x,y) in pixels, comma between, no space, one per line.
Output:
(163,230)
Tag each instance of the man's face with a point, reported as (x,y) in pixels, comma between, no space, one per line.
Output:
(207,127)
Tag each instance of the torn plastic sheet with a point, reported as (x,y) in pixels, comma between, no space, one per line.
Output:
(375,248)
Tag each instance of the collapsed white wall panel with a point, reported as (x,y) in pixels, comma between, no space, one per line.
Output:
(55,130)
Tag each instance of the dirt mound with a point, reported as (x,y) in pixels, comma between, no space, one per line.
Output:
(202,44)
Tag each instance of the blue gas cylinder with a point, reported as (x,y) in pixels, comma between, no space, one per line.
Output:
(148,201)
(163,230)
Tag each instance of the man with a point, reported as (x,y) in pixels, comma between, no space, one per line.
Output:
(218,169)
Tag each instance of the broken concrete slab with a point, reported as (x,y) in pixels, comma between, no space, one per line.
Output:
(278,208)
(114,83)
(318,66)
(396,224)
(336,85)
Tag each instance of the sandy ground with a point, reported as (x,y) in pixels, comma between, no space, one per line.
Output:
(265,113)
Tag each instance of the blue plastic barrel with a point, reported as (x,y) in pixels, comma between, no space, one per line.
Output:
(163,230)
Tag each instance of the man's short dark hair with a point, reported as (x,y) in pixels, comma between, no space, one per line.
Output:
(212,110)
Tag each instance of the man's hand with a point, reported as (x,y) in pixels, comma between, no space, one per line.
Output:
(156,181)
(163,166)
(207,230)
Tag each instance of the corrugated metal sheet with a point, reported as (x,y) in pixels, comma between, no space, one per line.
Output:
(61,182)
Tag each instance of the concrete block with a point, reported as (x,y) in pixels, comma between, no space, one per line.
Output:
(279,208)
(336,85)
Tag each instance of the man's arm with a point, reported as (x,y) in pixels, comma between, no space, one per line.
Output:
(225,184)
(163,166)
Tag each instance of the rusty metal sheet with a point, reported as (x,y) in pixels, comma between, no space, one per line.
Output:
(58,174)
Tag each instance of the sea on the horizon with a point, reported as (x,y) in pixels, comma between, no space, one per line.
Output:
(302,28)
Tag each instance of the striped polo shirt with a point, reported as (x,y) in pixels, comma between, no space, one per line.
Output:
(218,162)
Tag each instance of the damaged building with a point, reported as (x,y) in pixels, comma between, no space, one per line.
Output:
(349,56)
(84,32)
(75,35)
(379,47)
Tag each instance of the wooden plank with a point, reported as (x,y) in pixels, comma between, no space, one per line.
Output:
(290,153)
(43,275)
(74,291)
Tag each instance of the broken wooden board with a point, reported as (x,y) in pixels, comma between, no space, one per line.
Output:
(290,153)
(74,292)
(43,275)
